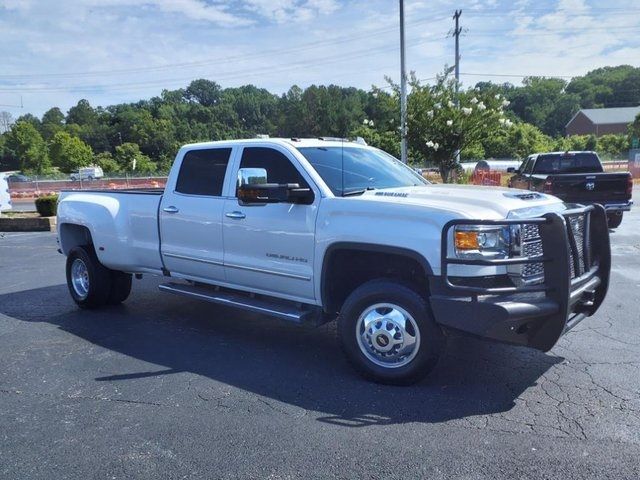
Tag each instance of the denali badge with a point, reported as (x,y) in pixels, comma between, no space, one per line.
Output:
(590,185)
(287,257)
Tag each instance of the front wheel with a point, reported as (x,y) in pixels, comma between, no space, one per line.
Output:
(388,334)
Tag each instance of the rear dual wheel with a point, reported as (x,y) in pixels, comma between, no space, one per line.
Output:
(91,284)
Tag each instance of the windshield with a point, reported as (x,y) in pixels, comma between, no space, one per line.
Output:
(352,170)
(568,163)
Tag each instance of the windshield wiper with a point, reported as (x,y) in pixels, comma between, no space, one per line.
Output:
(358,191)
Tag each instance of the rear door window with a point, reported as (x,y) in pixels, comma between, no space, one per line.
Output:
(202,172)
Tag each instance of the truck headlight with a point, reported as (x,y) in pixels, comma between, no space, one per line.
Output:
(482,241)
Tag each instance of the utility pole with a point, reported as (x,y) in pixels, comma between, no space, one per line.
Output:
(456,33)
(403,90)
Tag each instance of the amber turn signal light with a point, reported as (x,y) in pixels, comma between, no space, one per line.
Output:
(466,240)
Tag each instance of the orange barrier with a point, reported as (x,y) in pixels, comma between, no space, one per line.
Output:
(486,177)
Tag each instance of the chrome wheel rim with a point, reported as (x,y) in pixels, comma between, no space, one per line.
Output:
(80,278)
(388,335)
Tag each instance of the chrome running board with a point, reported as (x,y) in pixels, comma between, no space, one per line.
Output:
(275,308)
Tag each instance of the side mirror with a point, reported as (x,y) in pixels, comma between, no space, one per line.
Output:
(251,176)
(253,189)
(511,170)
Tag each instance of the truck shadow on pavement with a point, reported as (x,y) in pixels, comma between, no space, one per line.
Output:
(301,367)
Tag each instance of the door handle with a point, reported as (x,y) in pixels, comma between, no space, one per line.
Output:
(237,215)
(171,209)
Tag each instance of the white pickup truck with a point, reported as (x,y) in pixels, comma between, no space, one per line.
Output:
(310,230)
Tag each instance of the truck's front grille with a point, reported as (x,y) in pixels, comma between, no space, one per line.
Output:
(532,249)
(578,253)
(530,232)
(530,245)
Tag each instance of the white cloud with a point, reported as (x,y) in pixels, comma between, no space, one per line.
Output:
(143,46)
(282,11)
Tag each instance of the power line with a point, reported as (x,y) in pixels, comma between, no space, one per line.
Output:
(249,72)
(279,51)
(548,31)
(482,11)
(514,75)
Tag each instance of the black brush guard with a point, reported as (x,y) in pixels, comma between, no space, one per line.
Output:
(531,315)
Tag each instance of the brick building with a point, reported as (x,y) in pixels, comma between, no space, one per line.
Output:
(601,121)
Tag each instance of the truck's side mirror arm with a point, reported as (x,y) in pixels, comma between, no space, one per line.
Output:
(274,193)
(303,196)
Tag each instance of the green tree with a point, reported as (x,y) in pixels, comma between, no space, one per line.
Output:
(576,143)
(607,87)
(634,128)
(518,141)
(69,153)
(544,103)
(106,161)
(441,123)
(205,92)
(25,143)
(389,141)
(613,146)
(82,114)
(130,159)
(32,119)
(52,122)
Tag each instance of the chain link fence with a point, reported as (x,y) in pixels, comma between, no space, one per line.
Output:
(38,186)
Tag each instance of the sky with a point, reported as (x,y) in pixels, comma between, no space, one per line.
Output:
(56,52)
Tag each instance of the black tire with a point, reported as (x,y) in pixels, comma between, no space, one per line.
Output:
(614,221)
(99,278)
(384,291)
(120,287)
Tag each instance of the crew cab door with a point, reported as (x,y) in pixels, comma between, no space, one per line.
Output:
(191,214)
(270,247)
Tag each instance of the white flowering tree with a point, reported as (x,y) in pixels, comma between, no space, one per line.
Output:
(441,123)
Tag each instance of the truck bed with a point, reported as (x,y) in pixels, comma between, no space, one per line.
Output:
(123,225)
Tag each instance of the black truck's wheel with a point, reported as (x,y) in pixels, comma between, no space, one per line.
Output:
(120,287)
(614,221)
(88,280)
(388,334)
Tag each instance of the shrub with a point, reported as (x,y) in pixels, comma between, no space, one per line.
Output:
(47,206)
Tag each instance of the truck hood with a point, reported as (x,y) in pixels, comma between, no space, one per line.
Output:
(469,201)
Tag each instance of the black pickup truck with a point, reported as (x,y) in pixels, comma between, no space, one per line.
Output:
(576,177)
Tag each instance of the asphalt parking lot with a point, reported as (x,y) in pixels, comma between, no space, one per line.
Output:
(169,387)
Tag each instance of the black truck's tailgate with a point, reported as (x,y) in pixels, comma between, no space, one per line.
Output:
(591,187)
